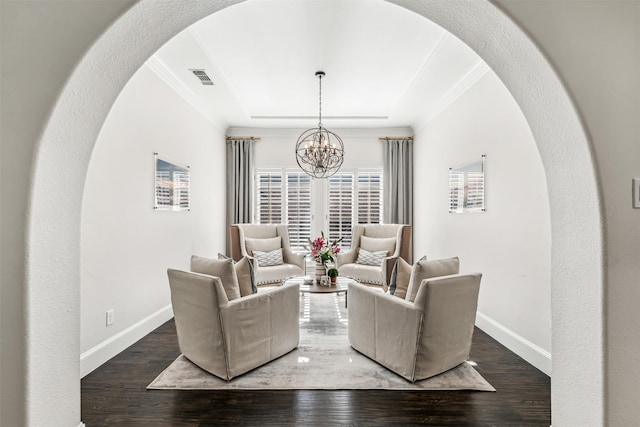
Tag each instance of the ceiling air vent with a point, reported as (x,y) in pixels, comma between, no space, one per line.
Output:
(204,78)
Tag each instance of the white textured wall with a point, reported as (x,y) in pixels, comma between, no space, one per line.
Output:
(40,45)
(595,46)
(126,246)
(510,243)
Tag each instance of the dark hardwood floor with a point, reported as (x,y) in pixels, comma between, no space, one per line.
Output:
(115,395)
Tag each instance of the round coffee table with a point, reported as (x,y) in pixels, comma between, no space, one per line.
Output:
(342,284)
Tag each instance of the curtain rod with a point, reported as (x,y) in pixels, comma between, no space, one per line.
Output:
(403,138)
(253,138)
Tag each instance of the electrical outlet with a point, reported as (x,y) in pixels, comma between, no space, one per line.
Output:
(110,317)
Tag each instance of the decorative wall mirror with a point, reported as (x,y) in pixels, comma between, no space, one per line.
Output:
(466,187)
(172,190)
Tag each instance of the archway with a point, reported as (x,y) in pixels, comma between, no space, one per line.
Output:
(576,256)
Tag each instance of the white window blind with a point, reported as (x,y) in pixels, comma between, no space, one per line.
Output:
(340,209)
(269,201)
(298,210)
(369,197)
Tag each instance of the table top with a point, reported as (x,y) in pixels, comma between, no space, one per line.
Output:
(340,286)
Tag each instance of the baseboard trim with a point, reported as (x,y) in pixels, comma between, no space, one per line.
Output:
(96,356)
(82,424)
(537,356)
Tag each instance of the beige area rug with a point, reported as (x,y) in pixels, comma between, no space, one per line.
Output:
(324,360)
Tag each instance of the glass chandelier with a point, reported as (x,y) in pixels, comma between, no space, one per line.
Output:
(319,151)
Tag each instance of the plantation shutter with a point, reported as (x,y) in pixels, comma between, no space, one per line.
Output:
(269,197)
(340,207)
(299,210)
(369,197)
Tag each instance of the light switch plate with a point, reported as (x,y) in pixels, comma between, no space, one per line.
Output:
(636,193)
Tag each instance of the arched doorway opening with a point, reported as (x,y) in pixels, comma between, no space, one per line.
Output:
(576,256)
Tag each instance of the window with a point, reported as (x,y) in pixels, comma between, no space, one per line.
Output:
(340,212)
(309,206)
(269,197)
(286,195)
(299,210)
(354,197)
(369,198)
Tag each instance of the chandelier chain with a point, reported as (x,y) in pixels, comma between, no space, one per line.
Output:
(320,103)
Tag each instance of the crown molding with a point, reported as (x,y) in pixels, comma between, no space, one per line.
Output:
(165,74)
(479,70)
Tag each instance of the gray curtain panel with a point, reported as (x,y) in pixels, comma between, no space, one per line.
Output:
(240,160)
(398,181)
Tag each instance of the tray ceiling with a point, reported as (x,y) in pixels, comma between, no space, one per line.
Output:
(385,66)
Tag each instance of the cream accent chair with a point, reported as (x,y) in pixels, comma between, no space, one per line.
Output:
(293,263)
(419,339)
(229,338)
(373,274)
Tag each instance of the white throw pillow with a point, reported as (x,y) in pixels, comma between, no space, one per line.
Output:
(424,269)
(267,259)
(246,275)
(376,244)
(371,258)
(262,245)
(222,268)
(400,276)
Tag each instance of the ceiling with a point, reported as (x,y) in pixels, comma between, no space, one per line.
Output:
(385,66)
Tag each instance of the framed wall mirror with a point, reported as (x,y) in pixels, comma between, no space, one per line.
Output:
(466,187)
(172,185)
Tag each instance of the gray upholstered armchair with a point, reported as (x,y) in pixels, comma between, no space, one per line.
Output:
(393,239)
(416,339)
(228,337)
(260,240)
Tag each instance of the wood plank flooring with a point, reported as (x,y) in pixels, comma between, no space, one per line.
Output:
(115,395)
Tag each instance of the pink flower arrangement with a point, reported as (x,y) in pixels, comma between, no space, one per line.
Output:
(322,250)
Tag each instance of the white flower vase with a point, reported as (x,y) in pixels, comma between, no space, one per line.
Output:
(321,270)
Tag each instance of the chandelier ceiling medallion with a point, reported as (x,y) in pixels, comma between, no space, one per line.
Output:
(319,152)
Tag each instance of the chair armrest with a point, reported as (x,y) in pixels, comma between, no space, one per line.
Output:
(290,257)
(288,290)
(243,251)
(348,257)
(450,305)
(241,244)
(219,294)
(398,326)
(260,327)
(195,299)
(361,325)
(384,328)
